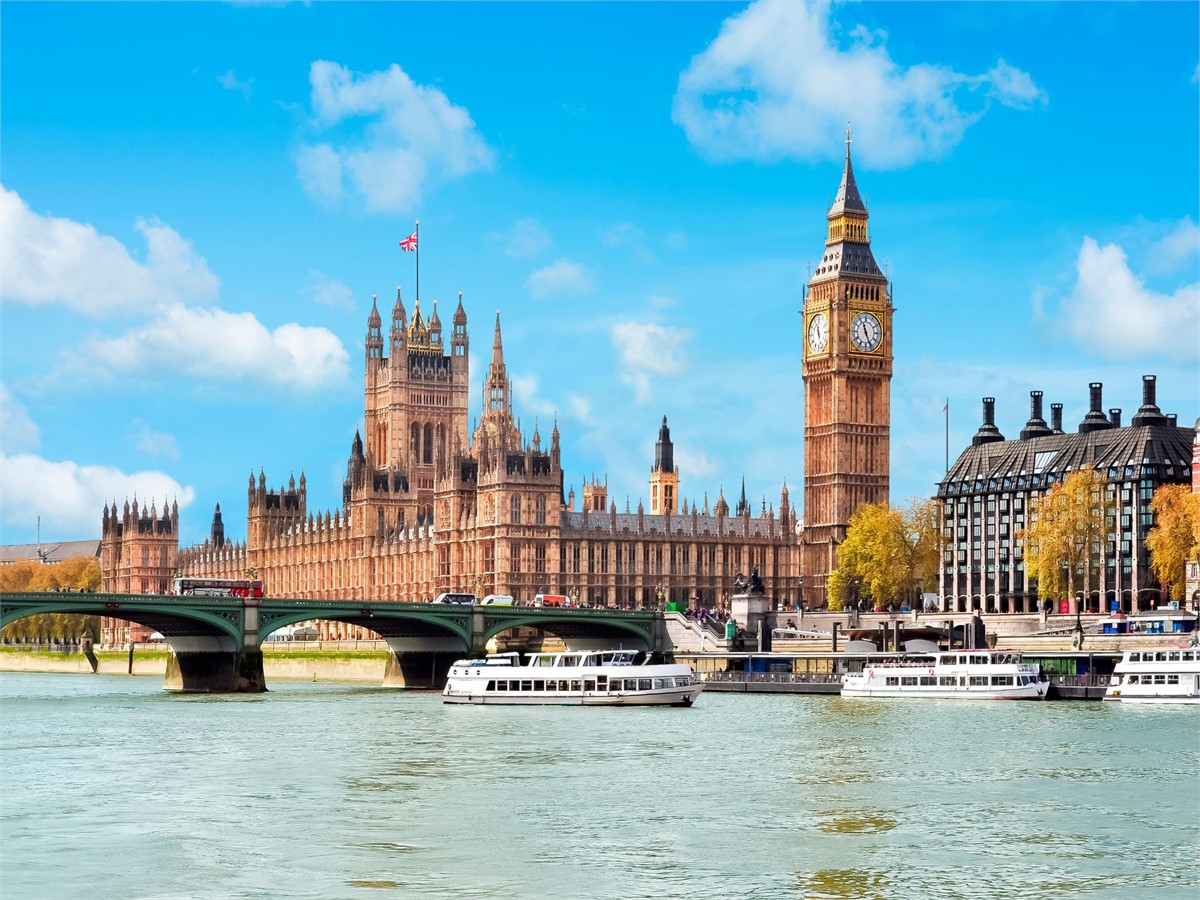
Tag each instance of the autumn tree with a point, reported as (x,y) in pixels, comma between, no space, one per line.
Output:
(1065,542)
(887,555)
(75,573)
(1175,539)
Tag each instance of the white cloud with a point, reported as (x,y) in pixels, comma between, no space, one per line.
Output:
(1112,312)
(1175,248)
(528,401)
(391,138)
(626,234)
(580,407)
(47,260)
(322,289)
(18,432)
(658,301)
(230,82)
(778,83)
(560,278)
(623,234)
(648,350)
(152,443)
(216,345)
(526,237)
(320,170)
(70,497)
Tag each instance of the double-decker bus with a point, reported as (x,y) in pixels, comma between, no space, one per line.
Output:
(218,587)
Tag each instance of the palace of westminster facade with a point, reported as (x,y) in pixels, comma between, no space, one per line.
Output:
(428,507)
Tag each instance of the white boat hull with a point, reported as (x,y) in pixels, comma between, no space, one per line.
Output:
(571,678)
(679,697)
(1161,675)
(1029,692)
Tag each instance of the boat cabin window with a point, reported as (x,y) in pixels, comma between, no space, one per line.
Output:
(1002,681)
(979,681)
(948,681)
(1172,679)
(1188,656)
(928,681)
(1173,657)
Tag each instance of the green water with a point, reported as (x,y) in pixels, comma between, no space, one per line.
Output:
(111,788)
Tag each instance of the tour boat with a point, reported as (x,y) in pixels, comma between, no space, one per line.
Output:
(1169,675)
(573,678)
(944,675)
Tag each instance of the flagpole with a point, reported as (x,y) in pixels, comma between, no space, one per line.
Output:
(417,232)
(946,410)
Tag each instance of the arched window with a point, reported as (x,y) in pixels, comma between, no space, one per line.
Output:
(541,509)
(427,450)
(515,518)
(414,449)
(441,440)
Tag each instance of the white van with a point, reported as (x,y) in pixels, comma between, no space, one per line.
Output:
(497,600)
(468,599)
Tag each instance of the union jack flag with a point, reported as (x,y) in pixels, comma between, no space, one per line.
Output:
(409,243)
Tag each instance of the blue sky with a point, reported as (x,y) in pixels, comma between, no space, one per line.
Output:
(200,200)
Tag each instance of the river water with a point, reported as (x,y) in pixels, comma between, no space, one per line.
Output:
(111,788)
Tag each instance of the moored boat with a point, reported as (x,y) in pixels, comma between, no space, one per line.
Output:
(1161,675)
(573,678)
(945,675)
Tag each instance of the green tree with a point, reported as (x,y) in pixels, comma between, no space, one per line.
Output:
(888,554)
(1066,540)
(1175,539)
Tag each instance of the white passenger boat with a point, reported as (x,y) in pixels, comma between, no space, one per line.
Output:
(952,674)
(573,678)
(1170,675)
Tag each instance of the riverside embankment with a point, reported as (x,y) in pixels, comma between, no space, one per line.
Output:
(362,661)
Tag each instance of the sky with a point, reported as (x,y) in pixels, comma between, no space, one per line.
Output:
(200,200)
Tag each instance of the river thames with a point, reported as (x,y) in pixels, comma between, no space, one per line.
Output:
(112,788)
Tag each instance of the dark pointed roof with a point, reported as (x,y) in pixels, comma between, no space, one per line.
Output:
(848,199)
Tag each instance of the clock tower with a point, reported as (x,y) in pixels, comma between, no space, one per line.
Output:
(847,395)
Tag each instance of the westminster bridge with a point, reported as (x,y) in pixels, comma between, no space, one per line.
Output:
(217,641)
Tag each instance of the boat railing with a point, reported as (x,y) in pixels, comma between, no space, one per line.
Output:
(1091,680)
(772,677)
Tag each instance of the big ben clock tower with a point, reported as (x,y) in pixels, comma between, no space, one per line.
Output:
(847,374)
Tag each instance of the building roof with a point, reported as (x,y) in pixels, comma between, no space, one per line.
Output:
(1122,453)
(49,552)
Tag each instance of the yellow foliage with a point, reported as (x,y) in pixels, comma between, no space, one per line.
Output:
(76,573)
(1063,543)
(887,554)
(1174,541)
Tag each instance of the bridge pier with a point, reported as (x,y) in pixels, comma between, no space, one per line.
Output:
(421,663)
(212,665)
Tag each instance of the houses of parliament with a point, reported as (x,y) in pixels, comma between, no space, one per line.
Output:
(429,506)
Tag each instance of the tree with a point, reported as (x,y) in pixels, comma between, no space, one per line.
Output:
(1175,539)
(1065,542)
(887,554)
(75,573)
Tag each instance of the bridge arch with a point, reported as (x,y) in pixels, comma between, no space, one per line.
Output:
(171,617)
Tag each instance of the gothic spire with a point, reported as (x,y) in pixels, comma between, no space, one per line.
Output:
(848,198)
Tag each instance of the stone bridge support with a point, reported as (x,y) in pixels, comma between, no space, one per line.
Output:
(210,664)
(421,663)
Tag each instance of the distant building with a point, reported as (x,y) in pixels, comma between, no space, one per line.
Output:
(987,494)
(430,505)
(49,553)
(433,513)
(1192,575)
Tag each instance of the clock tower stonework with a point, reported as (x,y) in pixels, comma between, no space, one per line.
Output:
(847,385)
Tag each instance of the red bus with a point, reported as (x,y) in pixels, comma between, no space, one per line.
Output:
(218,587)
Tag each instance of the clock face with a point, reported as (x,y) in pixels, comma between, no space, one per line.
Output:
(866,332)
(818,333)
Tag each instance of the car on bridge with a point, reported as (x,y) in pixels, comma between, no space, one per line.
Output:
(467,599)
